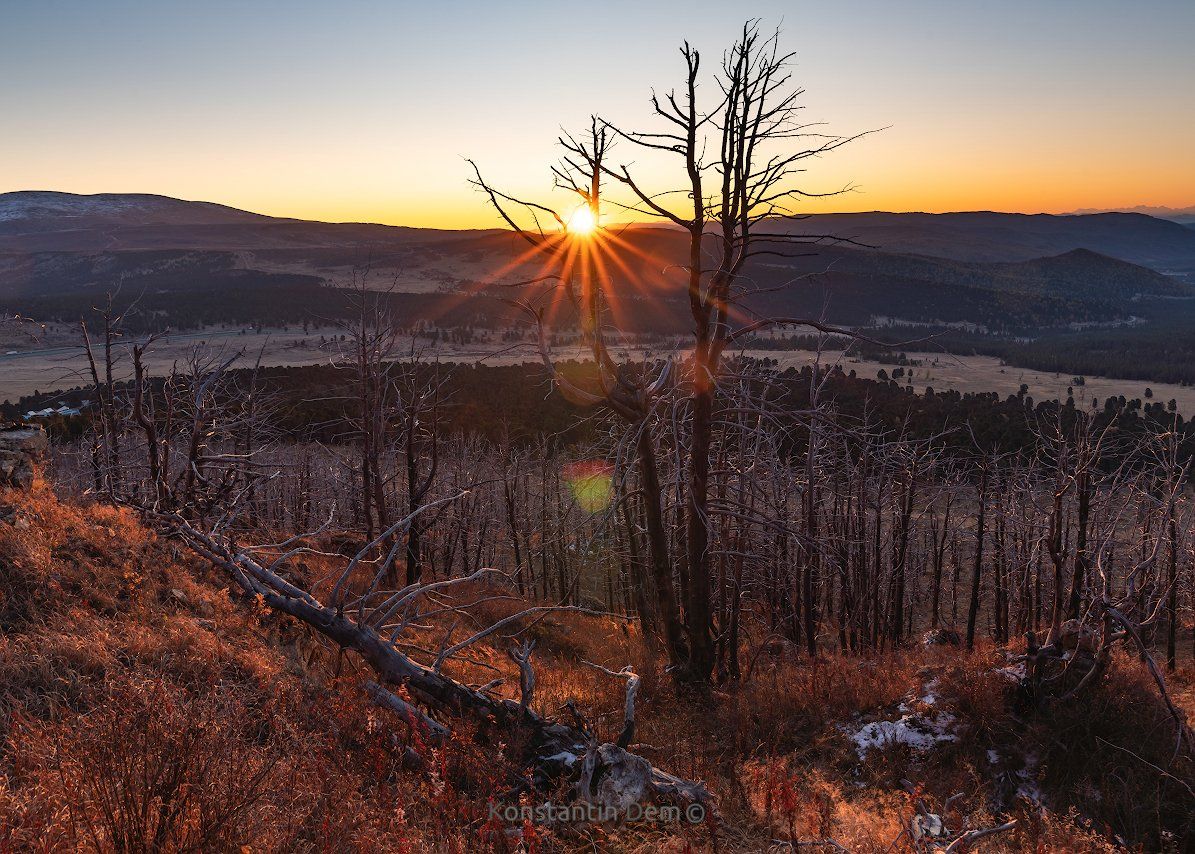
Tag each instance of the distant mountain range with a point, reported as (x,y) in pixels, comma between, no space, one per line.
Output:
(33,211)
(996,271)
(1184,215)
(987,236)
(53,221)
(44,221)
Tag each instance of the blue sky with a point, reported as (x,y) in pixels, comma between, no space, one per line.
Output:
(364,110)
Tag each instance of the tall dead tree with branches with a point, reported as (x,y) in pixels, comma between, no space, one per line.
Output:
(741,156)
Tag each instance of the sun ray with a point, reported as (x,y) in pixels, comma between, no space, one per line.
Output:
(610,296)
(539,250)
(639,280)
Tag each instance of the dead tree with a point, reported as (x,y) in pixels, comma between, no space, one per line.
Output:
(419,391)
(144,415)
(363,616)
(208,475)
(372,344)
(1087,449)
(627,393)
(102,369)
(628,718)
(980,531)
(758,137)
(1128,605)
(740,157)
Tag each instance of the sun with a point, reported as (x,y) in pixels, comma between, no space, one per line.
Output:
(582,221)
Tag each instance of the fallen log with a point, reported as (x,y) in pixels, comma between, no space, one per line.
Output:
(557,751)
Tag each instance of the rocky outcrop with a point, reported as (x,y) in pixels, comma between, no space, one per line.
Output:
(22,447)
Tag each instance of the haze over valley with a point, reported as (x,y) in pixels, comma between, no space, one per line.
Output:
(1037,291)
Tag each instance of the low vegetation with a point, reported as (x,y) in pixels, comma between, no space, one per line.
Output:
(145,707)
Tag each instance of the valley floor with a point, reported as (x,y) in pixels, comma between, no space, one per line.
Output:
(53,360)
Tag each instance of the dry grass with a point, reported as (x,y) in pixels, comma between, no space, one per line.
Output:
(142,708)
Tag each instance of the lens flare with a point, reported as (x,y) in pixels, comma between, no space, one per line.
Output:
(592,484)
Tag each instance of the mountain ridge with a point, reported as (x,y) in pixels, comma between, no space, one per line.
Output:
(1185,215)
(34,220)
(40,204)
(87,203)
(999,271)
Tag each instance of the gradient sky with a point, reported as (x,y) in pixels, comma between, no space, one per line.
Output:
(360,110)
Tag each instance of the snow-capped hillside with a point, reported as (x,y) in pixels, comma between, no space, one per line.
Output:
(49,221)
(38,210)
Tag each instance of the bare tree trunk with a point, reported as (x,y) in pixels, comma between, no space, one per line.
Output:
(657,541)
(811,562)
(1079,579)
(908,493)
(513,529)
(152,449)
(973,608)
(640,581)
(939,545)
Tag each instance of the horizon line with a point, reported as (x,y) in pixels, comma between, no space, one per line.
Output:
(1152,211)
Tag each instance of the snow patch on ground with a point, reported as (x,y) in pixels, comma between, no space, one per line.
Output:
(922,731)
(563,756)
(1018,782)
(1026,780)
(1013,672)
(929,697)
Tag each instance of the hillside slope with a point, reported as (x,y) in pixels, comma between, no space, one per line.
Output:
(44,221)
(37,211)
(144,708)
(989,236)
(222,257)
(32,221)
